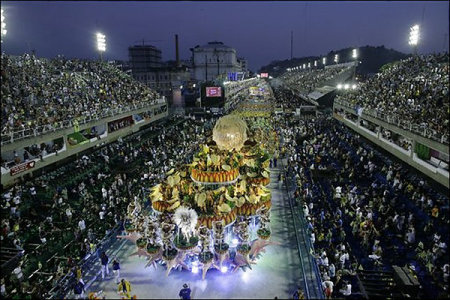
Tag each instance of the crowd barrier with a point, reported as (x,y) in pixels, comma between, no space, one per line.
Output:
(17,135)
(312,291)
(65,284)
(400,122)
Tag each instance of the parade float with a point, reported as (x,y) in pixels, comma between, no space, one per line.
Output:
(211,213)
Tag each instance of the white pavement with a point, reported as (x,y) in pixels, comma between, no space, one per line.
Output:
(276,274)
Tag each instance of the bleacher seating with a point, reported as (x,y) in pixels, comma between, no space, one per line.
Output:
(413,92)
(41,93)
(379,204)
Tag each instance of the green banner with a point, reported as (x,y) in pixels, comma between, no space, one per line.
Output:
(423,152)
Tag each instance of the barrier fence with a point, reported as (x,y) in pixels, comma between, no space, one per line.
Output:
(17,135)
(400,122)
(313,286)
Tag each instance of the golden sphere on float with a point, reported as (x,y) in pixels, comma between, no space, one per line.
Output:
(230,132)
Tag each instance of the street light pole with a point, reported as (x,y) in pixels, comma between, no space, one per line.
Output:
(206,67)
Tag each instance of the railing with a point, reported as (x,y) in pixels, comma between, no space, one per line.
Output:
(312,262)
(65,284)
(17,135)
(400,122)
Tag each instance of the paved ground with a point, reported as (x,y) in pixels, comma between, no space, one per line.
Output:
(276,274)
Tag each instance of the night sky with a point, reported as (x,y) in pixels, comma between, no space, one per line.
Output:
(259,31)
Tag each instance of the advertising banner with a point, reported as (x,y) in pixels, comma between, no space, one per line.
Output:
(213,91)
(22,167)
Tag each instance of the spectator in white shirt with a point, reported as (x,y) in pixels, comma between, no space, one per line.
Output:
(347,289)
(82,225)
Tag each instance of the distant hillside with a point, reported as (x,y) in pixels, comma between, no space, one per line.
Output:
(372,59)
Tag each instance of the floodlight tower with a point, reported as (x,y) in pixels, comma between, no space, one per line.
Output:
(3,32)
(324,60)
(355,53)
(336,58)
(101,44)
(355,57)
(414,35)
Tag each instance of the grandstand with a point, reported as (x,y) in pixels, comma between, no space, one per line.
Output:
(321,181)
(406,104)
(65,107)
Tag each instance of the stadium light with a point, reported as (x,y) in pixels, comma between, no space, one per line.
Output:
(324,60)
(354,86)
(101,44)
(309,65)
(414,35)
(315,63)
(355,53)
(339,86)
(3,32)
(304,66)
(346,86)
(336,58)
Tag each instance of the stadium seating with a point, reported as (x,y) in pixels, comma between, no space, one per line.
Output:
(40,93)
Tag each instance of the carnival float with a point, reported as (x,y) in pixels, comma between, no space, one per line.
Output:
(204,214)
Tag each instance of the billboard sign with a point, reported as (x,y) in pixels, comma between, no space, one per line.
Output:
(264,75)
(22,168)
(232,76)
(213,91)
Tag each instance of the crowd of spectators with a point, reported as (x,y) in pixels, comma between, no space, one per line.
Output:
(286,98)
(38,92)
(68,211)
(363,210)
(414,90)
(305,81)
